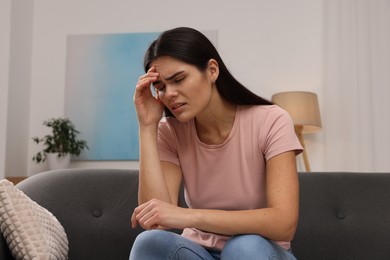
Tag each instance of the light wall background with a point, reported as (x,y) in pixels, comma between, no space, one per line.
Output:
(5,27)
(270,46)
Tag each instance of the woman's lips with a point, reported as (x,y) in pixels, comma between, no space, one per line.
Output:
(177,107)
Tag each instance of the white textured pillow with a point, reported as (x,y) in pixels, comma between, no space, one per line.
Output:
(30,230)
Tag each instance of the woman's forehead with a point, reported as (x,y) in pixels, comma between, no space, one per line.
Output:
(168,66)
(164,61)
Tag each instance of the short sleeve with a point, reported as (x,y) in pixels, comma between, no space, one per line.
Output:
(280,134)
(167,142)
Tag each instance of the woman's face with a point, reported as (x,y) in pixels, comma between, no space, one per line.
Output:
(183,88)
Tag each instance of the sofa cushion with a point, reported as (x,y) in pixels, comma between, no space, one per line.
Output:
(343,215)
(31,231)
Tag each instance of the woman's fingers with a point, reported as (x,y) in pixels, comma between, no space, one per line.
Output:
(151,74)
(133,221)
(143,84)
(148,214)
(148,107)
(143,215)
(158,214)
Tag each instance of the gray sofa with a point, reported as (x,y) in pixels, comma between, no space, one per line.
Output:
(342,215)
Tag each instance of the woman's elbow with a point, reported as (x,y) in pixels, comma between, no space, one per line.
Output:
(288,231)
(285,228)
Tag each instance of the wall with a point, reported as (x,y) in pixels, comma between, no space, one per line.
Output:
(5,26)
(19,88)
(270,46)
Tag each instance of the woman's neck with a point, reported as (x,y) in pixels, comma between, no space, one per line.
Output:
(215,124)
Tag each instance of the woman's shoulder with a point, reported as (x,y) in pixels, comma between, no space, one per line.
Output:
(262,111)
(264,116)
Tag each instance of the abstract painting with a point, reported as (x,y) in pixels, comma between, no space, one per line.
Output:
(101,73)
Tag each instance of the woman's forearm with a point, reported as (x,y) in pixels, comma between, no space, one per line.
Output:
(272,223)
(151,179)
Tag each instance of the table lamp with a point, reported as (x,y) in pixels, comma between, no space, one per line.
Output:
(305,112)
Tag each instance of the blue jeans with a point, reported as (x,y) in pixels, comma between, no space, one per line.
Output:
(159,244)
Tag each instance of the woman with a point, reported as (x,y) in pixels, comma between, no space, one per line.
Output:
(234,151)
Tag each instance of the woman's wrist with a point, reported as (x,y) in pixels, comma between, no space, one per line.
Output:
(148,129)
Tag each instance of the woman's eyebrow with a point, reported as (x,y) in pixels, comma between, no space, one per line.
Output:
(168,78)
(174,75)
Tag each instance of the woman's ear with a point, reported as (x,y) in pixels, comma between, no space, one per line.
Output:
(213,70)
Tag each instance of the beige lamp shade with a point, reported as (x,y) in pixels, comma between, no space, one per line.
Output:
(303,108)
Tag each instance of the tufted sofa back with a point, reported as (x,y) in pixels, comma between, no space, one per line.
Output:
(343,215)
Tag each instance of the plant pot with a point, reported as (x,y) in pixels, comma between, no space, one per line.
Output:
(55,162)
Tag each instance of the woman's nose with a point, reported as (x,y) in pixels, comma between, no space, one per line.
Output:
(170,91)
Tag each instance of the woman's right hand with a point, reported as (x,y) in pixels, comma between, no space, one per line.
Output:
(149,108)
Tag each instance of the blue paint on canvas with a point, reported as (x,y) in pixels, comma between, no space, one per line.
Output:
(101,74)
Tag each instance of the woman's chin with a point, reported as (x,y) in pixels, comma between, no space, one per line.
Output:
(183,118)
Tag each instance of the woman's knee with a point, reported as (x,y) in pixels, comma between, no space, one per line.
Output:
(252,247)
(159,244)
(151,241)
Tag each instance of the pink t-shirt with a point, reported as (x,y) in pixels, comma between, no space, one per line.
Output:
(231,175)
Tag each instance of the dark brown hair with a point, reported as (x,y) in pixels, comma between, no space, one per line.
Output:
(190,46)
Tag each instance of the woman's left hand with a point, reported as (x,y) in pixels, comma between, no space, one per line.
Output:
(157,214)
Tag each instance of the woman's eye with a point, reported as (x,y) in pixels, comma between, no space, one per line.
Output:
(161,89)
(179,80)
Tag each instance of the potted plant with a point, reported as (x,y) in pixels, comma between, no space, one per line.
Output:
(60,144)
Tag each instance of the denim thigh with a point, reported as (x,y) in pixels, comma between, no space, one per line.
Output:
(160,244)
(254,247)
